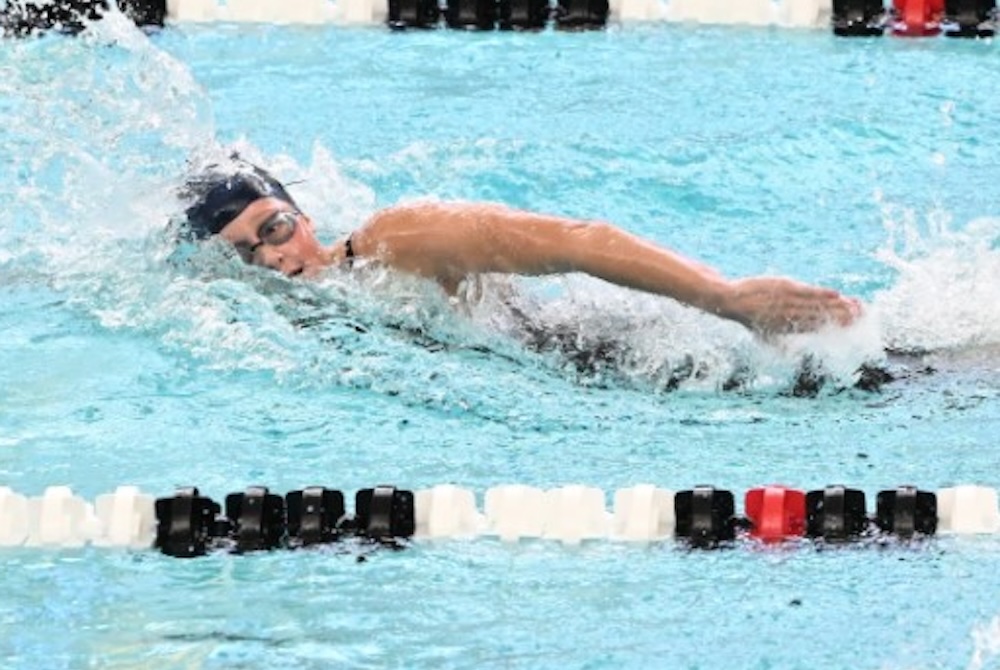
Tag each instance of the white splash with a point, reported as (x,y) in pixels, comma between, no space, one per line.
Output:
(986,638)
(840,351)
(946,294)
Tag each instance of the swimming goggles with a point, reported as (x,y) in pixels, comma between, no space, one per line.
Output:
(275,231)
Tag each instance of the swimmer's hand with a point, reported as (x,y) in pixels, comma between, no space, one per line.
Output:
(773,306)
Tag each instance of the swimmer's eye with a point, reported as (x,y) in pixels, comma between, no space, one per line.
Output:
(278,228)
(275,231)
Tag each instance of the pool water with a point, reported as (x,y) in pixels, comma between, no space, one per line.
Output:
(866,165)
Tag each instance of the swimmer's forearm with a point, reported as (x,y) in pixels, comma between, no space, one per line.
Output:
(610,253)
(763,304)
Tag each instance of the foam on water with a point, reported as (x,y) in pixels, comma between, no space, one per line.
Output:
(986,638)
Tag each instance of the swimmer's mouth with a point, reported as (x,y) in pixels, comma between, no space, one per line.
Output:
(296,273)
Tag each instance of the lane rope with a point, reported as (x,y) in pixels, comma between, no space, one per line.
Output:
(847,18)
(187,523)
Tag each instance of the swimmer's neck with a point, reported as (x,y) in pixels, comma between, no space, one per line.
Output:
(336,255)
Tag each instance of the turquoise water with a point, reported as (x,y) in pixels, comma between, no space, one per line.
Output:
(865,165)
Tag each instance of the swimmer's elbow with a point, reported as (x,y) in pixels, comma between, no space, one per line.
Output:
(531,243)
(584,245)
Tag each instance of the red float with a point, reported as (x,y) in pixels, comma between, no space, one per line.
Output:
(917,18)
(776,513)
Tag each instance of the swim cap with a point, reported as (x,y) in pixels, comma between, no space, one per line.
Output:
(219,195)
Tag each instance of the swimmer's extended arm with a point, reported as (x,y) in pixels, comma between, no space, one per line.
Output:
(448,242)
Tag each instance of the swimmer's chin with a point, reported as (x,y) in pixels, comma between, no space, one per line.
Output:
(308,271)
(303,272)
(312,268)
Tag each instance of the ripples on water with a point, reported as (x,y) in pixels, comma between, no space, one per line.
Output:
(742,157)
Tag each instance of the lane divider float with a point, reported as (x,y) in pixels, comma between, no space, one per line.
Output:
(848,18)
(188,524)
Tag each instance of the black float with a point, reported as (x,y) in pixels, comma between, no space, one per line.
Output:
(970,18)
(413,14)
(523,14)
(581,14)
(258,519)
(315,515)
(836,513)
(475,14)
(186,523)
(858,18)
(906,511)
(705,516)
(384,513)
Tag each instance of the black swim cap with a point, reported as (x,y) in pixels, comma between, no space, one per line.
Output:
(221,193)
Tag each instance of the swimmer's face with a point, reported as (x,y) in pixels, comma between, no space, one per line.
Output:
(272,234)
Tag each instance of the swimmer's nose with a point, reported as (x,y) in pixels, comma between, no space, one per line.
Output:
(269,257)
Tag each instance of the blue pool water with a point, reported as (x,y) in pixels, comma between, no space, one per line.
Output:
(866,165)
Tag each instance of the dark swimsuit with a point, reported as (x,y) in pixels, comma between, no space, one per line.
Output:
(349,252)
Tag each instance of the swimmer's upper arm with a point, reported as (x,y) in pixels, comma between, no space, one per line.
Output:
(450,241)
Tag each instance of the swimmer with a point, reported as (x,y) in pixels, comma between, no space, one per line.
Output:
(449,242)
